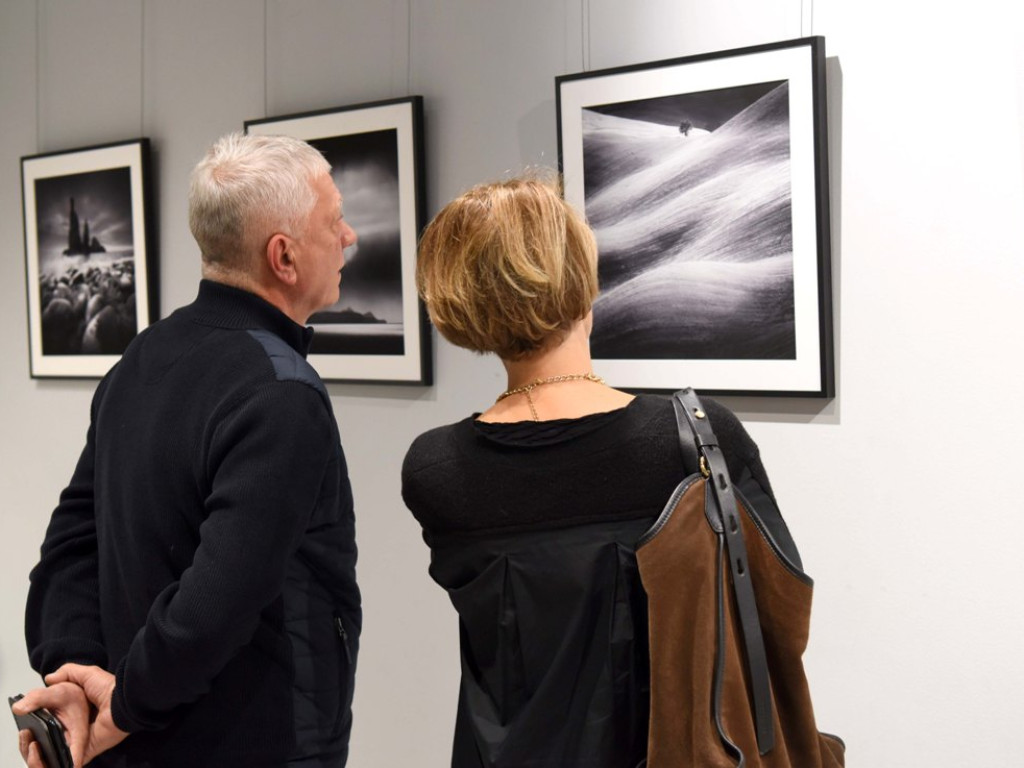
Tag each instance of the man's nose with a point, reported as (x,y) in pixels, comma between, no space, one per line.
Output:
(348,236)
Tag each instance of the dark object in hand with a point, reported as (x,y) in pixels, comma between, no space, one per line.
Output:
(48,733)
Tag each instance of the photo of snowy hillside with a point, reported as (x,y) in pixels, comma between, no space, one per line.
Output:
(705,179)
(689,196)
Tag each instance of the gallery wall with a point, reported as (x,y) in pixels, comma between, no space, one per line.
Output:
(900,490)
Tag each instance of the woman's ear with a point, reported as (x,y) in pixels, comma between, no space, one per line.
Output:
(280,258)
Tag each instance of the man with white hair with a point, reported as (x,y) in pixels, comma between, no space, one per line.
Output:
(197,581)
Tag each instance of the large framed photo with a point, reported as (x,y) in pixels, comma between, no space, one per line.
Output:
(705,180)
(377,332)
(90,267)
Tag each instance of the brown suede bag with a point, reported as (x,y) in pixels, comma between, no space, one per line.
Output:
(727,680)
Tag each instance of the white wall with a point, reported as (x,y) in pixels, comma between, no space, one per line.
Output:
(899,490)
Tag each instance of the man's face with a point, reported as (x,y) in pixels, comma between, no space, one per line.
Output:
(322,246)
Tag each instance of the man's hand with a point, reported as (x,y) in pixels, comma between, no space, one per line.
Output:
(98,685)
(72,689)
(68,703)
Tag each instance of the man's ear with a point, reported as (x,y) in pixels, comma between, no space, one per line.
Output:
(280,258)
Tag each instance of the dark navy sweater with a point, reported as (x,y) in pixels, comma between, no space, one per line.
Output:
(204,549)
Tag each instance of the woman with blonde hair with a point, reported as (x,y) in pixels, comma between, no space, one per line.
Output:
(532,507)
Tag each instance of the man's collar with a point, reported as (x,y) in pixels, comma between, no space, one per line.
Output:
(230,307)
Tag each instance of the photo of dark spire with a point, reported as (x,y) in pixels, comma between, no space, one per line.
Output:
(79,242)
(84,213)
(86,265)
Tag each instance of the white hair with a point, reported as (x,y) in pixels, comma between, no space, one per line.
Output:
(245,189)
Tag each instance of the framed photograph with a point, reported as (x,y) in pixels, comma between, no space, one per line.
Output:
(378,331)
(705,180)
(90,267)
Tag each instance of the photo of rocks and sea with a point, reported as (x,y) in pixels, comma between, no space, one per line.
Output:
(86,264)
(690,199)
(368,317)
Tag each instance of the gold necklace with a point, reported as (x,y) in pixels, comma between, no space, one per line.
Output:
(527,389)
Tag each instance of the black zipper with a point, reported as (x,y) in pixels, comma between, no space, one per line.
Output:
(344,638)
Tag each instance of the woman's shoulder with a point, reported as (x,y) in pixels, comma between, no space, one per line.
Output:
(658,408)
(736,443)
(722,419)
(433,446)
(429,470)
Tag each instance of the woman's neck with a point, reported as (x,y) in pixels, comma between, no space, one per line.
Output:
(571,356)
(564,399)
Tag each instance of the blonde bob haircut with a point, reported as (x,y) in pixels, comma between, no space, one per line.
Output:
(508,268)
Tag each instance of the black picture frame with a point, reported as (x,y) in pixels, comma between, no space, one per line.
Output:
(90,268)
(705,179)
(378,331)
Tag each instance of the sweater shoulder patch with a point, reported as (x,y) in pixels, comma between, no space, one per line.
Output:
(288,364)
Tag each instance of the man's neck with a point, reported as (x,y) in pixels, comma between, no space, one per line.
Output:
(243,281)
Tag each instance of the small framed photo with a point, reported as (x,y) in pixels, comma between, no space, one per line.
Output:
(378,331)
(705,180)
(90,266)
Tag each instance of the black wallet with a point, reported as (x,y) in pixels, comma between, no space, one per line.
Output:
(48,733)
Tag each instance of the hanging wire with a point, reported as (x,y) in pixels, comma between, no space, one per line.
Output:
(39,75)
(808,30)
(583,35)
(266,47)
(408,47)
(585,32)
(142,70)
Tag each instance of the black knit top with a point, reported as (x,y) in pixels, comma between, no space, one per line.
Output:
(532,527)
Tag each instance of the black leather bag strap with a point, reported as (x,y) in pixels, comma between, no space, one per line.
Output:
(691,461)
(695,426)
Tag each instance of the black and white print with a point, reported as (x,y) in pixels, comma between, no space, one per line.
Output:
(87,256)
(689,196)
(86,262)
(377,331)
(705,180)
(368,316)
